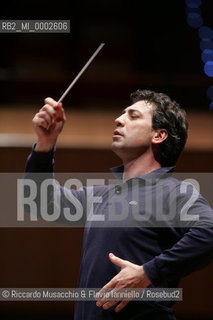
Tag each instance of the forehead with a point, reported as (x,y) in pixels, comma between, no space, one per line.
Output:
(142,106)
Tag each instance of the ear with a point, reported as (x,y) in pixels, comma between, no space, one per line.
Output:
(159,136)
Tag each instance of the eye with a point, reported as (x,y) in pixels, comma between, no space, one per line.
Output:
(133,116)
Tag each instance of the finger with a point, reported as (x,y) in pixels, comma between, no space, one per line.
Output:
(49,109)
(46,116)
(108,304)
(118,261)
(60,115)
(64,116)
(58,105)
(107,299)
(121,305)
(110,285)
(40,121)
(103,295)
(56,113)
(50,101)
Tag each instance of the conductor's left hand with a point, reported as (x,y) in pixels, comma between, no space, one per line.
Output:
(130,276)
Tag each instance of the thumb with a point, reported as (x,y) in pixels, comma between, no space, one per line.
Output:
(59,112)
(116,260)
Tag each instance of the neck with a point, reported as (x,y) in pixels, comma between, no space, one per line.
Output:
(139,167)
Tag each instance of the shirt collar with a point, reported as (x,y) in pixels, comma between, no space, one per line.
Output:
(151,176)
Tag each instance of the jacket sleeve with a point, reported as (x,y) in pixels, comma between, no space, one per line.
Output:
(194,249)
(40,161)
(192,252)
(67,204)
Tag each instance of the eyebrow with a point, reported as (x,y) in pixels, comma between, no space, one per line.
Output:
(131,110)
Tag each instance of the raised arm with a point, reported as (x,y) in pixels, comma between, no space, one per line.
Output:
(48,123)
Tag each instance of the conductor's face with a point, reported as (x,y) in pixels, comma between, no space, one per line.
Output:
(133,134)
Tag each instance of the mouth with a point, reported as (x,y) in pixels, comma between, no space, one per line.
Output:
(117,134)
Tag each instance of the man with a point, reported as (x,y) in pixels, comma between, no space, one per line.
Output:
(149,137)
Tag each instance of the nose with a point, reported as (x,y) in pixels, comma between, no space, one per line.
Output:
(120,121)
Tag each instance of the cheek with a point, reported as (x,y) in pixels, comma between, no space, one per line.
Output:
(144,132)
(140,131)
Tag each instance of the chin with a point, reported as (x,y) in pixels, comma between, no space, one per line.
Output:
(115,145)
(118,150)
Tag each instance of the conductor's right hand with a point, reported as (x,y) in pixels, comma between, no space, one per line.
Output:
(48,123)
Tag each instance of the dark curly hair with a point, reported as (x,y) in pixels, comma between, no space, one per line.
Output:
(167,114)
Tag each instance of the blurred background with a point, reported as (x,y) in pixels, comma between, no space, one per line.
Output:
(157,45)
